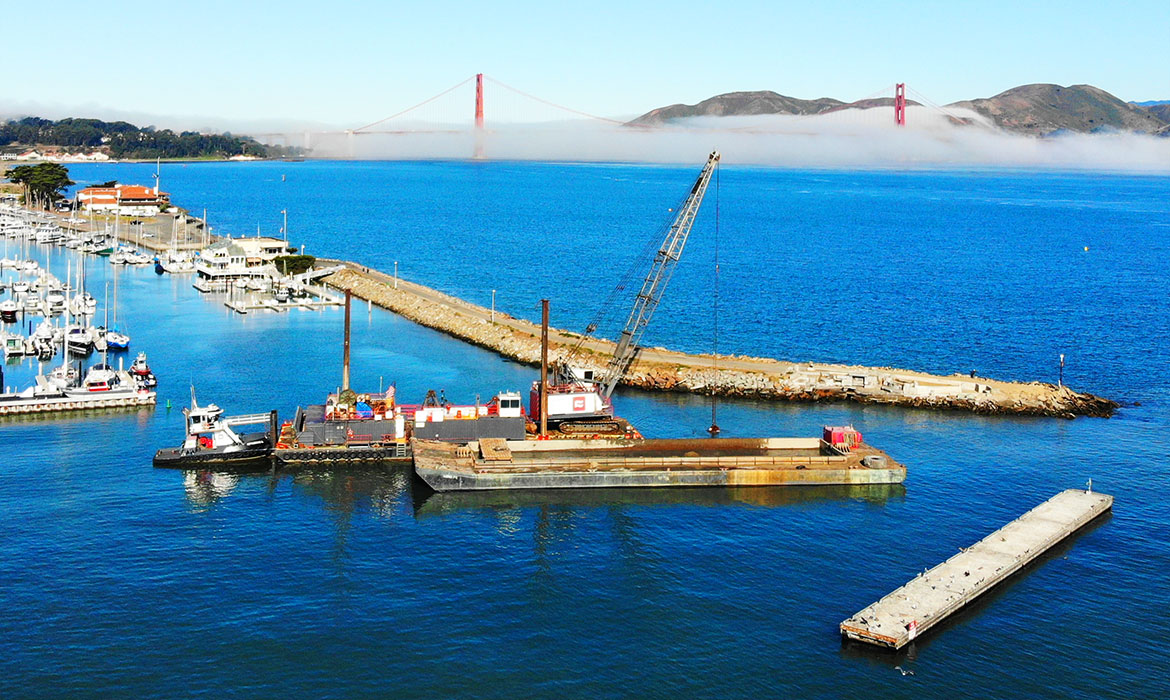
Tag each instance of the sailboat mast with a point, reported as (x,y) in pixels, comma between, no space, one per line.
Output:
(106,326)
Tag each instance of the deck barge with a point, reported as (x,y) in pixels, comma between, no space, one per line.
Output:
(931,596)
(609,462)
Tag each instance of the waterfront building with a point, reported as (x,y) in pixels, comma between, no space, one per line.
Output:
(235,258)
(128,200)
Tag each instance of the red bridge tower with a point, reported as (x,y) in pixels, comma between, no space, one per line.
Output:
(900,104)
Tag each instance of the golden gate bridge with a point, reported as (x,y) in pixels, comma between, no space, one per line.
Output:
(446,114)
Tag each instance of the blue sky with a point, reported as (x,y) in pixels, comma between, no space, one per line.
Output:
(347,63)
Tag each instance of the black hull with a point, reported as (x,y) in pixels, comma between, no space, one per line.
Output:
(176,458)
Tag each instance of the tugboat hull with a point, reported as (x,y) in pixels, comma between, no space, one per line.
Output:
(258,452)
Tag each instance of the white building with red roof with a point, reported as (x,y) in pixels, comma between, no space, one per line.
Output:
(128,200)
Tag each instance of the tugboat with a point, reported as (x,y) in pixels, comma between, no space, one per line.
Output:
(211,441)
(142,374)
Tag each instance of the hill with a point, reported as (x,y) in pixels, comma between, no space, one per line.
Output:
(123,140)
(1035,109)
(1043,108)
(1160,110)
(739,104)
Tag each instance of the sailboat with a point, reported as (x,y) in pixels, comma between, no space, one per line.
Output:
(116,340)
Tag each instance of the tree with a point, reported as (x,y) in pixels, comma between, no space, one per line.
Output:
(43,183)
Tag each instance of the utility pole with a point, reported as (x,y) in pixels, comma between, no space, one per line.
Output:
(284,229)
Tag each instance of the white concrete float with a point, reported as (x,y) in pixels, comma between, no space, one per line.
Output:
(932,596)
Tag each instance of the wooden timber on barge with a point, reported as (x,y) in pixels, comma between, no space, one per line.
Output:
(932,596)
(593,463)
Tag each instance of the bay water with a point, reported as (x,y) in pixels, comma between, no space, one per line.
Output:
(121,580)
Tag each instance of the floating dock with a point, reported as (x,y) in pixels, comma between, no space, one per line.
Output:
(608,462)
(929,598)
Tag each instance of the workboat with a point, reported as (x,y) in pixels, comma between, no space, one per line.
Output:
(141,372)
(211,441)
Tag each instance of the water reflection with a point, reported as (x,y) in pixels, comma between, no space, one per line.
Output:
(438,504)
(390,491)
(205,487)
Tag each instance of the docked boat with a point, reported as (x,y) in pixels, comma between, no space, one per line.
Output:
(211,442)
(79,340)
(8,309)
(142,373)
(48,396)
(116,340)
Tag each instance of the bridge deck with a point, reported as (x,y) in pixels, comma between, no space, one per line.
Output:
(930,597)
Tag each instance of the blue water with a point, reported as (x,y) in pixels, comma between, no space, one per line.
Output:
(117,579)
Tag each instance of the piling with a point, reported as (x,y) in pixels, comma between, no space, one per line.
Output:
(932,596)
(544,367)
(345,344)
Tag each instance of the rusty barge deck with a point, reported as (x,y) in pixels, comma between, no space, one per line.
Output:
(543,464)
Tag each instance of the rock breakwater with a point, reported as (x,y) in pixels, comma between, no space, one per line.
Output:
(658,369)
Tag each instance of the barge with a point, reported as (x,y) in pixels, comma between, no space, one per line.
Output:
(353,428)
(593,463)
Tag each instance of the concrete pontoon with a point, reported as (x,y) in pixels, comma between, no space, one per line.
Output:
(929,598)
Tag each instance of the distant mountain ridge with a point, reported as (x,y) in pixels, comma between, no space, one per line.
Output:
(1042,108)
(1036,109)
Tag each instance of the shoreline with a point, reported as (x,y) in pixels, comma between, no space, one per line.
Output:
(663,370)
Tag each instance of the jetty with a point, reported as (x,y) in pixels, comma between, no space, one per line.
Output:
(932,596)
(659,369)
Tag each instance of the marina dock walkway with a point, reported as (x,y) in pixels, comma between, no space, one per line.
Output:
(929,598)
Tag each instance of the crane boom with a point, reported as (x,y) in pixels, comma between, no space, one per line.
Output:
(656,280)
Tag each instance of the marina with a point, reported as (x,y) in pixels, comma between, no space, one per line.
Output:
(937,593)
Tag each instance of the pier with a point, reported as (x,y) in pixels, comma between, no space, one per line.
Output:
(658,369)
(932,596)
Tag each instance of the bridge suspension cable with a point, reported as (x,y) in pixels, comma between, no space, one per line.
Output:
(930,103)
(554,104)
(427,101)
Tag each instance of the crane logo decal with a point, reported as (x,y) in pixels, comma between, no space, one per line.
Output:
(578,403)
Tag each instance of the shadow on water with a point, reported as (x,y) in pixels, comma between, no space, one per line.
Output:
(342,490)
(882,656)
(438,504)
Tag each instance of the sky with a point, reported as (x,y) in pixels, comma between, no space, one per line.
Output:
(346,63)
